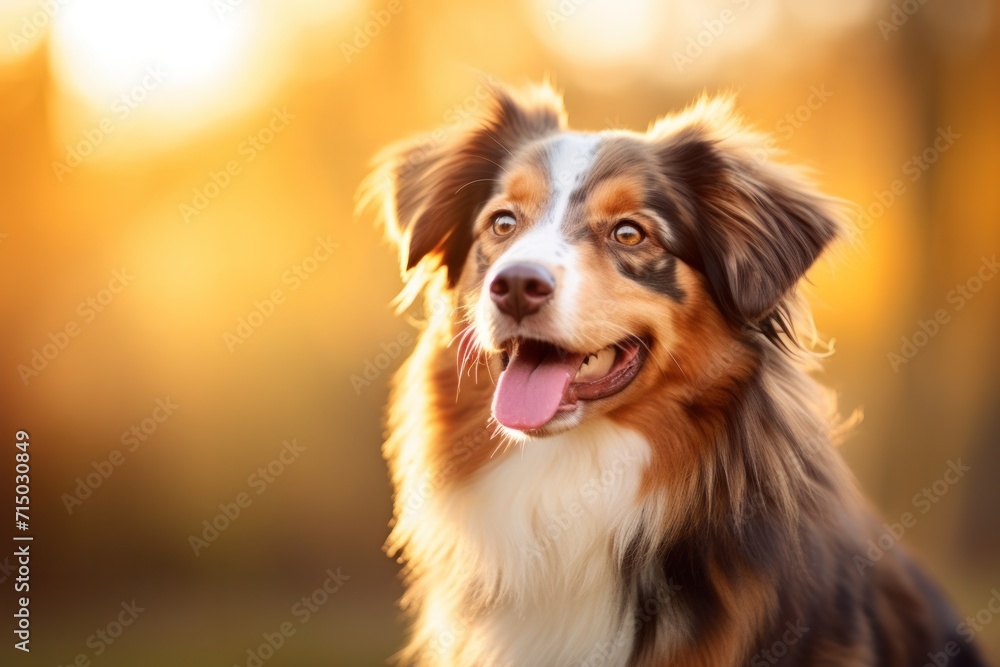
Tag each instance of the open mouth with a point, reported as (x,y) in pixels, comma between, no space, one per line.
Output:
(541,379)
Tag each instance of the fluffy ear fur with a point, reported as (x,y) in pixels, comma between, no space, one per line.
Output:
(433,187)
(757,225)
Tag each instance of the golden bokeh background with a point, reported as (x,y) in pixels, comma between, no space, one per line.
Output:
(178,181)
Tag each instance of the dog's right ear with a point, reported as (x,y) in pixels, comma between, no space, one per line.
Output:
(432,188)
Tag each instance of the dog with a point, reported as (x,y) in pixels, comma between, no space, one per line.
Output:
(606,446)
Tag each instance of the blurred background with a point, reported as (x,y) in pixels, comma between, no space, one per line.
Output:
(193,321)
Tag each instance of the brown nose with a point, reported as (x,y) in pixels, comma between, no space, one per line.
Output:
(521,289)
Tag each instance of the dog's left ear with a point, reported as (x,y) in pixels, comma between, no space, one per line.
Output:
(754,227)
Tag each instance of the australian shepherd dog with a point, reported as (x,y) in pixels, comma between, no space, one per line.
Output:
(605,446)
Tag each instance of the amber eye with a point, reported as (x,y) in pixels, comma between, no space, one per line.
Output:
(628,233)
(503,223)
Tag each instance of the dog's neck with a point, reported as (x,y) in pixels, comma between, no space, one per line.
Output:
(589,527)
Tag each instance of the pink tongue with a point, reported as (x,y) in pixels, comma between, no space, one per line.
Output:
(529,392)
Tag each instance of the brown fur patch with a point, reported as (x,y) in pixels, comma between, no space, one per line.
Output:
(527,185)
(615,198)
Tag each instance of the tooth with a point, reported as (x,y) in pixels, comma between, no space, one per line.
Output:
(597,365)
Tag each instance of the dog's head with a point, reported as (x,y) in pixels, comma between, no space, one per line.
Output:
(588,267)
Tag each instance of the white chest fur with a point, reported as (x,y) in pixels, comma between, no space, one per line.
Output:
(527,553)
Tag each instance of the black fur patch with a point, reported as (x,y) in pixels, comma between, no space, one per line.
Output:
(659,275)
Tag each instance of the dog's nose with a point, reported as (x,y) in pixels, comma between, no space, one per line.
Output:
(521,289)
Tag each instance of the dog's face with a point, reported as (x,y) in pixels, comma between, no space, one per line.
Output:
(587,265)
(572,280)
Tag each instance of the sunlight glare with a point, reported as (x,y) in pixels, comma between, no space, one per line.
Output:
(605,33)
(205,59)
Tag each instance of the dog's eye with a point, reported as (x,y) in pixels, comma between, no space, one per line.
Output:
(503,223)
(627,232)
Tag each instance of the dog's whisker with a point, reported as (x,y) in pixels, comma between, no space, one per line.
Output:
(499,143)
(489,371)
(463,360)
(493,162)
(461,333)
(503,436)
(677,363)
(481,359)
(478,180)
